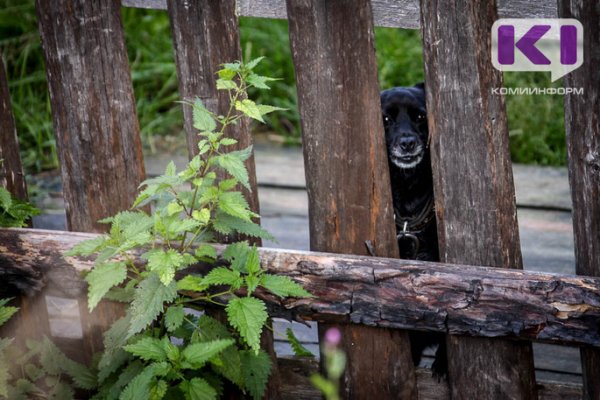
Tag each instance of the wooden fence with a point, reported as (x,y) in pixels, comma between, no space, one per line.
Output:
(372,300)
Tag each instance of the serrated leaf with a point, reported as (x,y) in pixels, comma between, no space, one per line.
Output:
(198,354)
(226,84)
(266,109)
(299,349)
(249,108)
(237,251)
(114,339)
(164,263)
(53,361)
(3,375)
(227,73)
(227,224)
(170,349)
(192,283)
(203,119)
(139,387)
(5,198)
(227,184)
(171,169)
(223,276)
(87,247)
(150,296)
(234,165)
(234,204)
(158,389)
(197,389)
(248,316)
(148,349)
(6,312)
(206,250)
(283,286)
(102,278)
(253,261)
(256,368)
(253,63)
(252,282)
(202,216)
(174,208)
(228,141)
(174,317)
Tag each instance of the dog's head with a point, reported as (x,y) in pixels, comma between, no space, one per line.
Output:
(405,123)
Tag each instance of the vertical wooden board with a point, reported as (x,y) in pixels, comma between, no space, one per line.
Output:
(473,184)
(582,123)
(11,169)
(206,35)
(346,171)
(93,108)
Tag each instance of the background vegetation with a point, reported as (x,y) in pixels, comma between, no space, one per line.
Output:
(535,122)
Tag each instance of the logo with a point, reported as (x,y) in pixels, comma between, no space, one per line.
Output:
(554,45)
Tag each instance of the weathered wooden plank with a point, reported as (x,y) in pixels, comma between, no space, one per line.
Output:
(346,170)
(11,169)
(473,183)
(582,123)
(388,13)
(95,122)
(386,292)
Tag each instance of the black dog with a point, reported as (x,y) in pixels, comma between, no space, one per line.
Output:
(406,136)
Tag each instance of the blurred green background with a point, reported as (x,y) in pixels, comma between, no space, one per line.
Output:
(535,122)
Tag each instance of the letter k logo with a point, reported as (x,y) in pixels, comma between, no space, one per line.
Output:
(506,48)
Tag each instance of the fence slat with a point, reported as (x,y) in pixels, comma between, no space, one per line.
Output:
(346,170)
(95,120)
(475,200)
(11,169)
(206,35)
(388,13)
(582,123)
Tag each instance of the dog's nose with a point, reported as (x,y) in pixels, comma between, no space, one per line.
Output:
(408,143)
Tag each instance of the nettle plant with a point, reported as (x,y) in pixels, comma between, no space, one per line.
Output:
(166,347)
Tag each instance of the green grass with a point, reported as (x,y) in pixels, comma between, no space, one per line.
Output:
(536,122)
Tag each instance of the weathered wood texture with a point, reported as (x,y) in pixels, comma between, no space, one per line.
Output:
(473,183)
(389,13)
(297,386)
(95,122)
(11,169)
(346,170)
(386,292)
(582,123)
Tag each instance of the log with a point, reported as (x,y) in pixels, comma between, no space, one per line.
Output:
(582,123)
(11,168)
(388,293)
(388,13)
(473,184)
(347,176)
(93,108)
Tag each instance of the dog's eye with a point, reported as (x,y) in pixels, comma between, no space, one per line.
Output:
(421,118)
(386,120)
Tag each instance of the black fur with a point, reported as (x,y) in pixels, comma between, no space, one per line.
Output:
(405,122)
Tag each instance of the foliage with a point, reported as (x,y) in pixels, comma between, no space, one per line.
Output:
(165,347)
(537,136)
(335,364)
(14,213)
(297,347)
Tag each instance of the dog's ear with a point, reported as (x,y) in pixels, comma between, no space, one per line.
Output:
(420,85)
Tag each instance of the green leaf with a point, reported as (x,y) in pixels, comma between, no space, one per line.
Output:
(326,387)
(283,286)
(253,63)
(256,368)
(226,141)
(299,349)
(253,261)
(223,276)
(197,389)
(102,278)
(265,109)
(197,354)
(6,312)
(52,356)
(249,108)
(192,283)
(226,224)
(4,375)
(237,251)
(226,84)
(227,73)
(248,315)
(258,81)
(234,204)
(5,198)
(158,390)
(164,263)
(171,169)
(139,387)
(174,208)
(174,317)
(203,119)
(114,339)
(87,247)
(206,250)
(234,165)
(150,297)
(148,349)
(252,281)
(170,349)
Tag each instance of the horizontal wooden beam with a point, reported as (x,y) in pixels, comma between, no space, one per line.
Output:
(387,13)
(405,294)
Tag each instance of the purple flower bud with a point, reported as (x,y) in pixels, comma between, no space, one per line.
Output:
(333,336)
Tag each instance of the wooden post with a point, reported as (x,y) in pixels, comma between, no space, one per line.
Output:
(206,35)
(95,123)
(582,123)
(11,169)
(346,171)
(95,120)
(474,191)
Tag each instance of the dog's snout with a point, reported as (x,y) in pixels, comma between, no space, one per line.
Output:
(408,143)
